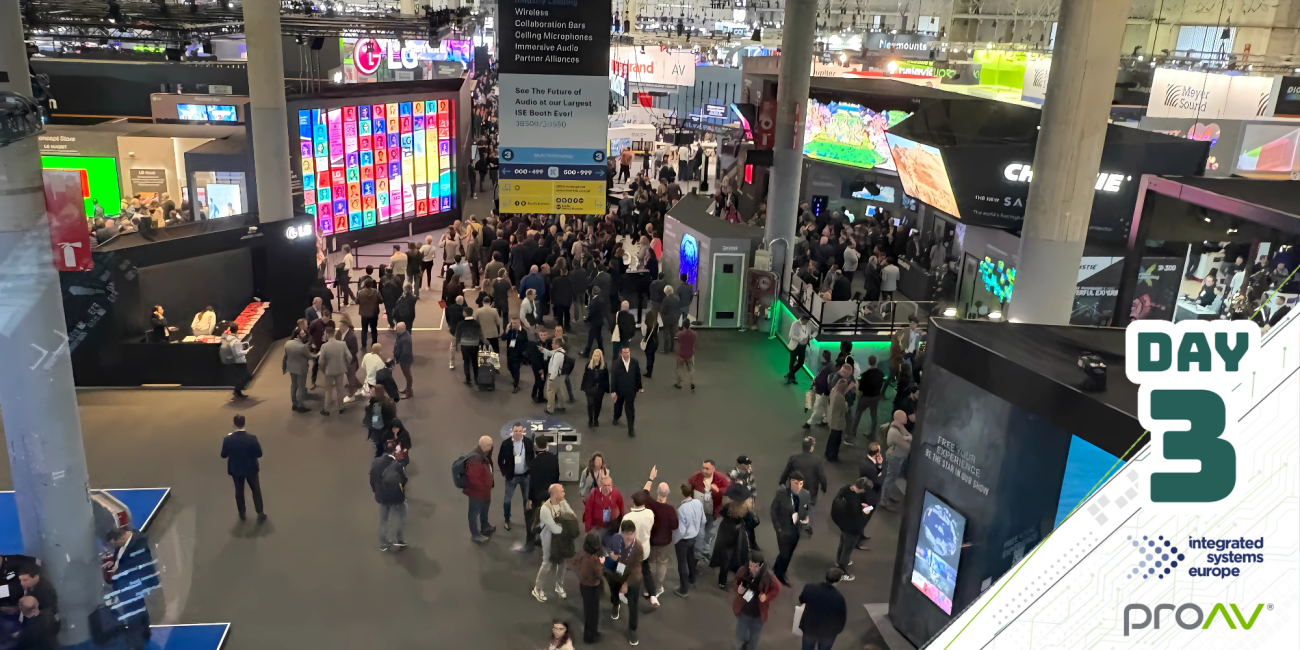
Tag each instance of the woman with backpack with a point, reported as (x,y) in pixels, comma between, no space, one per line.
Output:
(378,414)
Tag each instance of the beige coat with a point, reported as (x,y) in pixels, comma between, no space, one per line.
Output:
(490,321)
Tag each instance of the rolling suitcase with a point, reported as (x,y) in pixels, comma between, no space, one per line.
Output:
(489,366)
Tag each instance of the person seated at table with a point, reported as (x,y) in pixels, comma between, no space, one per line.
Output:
(159,328)
(204,322)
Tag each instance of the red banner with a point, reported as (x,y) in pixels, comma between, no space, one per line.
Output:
(765,134)
(66,208)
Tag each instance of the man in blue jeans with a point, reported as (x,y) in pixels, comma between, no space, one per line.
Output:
(514,459)
(388,481)
(478,487)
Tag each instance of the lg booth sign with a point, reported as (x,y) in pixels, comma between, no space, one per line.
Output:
(65,206)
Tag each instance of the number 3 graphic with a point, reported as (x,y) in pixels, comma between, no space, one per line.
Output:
(1218,475)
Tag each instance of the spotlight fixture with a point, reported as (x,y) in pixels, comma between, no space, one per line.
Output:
(950,312)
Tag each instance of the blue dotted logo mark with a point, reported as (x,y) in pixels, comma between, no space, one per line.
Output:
(1156,557)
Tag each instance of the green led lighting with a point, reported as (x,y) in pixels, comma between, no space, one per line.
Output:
(101,176)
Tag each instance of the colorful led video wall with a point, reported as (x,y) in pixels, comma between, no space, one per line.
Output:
(377,163)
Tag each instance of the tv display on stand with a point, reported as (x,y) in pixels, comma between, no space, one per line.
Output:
(938,552)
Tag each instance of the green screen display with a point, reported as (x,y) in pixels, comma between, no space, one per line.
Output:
(101,176)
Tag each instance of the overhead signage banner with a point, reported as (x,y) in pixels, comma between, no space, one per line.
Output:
(1212,96)
(653,65)
(920,43)
(554,89)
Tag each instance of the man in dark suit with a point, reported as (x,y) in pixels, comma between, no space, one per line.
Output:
(545,472)
(625,383)
(825,612)
(811,467)
(515,460)
(625,321)
(873,468)
(596,311)
(241,451)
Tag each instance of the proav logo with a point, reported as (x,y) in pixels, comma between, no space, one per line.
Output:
(1190,616)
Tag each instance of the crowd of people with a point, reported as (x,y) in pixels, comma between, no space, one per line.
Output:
(624,547)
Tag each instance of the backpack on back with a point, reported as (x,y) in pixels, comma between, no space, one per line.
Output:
(567,367)
(390,482)
(460,472)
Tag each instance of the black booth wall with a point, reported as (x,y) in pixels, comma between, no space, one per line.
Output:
(227,285)
(1005,401)
(113,88)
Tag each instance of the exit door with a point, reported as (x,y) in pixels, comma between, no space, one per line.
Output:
(727,290)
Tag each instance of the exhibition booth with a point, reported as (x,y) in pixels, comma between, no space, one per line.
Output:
(118,159)
(375,166)
(1011,436)
(715,255)
(1211,249)
(970,162)
(254,275)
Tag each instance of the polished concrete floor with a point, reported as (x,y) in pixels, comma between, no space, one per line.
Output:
(312,575)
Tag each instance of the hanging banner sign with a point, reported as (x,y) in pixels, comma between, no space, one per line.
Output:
(554,89)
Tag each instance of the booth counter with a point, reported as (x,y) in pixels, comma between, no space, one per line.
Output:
(714,255)
(226,264)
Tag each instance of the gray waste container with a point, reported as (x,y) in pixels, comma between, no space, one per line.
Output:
(568,444)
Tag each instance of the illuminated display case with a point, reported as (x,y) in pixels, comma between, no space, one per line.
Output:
(379,160)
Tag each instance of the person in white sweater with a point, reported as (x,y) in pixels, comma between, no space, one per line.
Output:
(372,363)
(553,508)
(204,322)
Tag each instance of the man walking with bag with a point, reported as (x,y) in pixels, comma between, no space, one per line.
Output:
(824,612)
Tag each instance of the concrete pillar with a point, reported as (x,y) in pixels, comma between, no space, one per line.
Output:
(787,154)
(407,7)
(266,99)
(42,426)
(1070,139)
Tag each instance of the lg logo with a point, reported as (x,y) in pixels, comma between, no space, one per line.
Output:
(294,232)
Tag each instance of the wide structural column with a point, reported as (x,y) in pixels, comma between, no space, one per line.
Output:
(787,155)
(266,99)
(38,402)
(1070,140)
(407,7)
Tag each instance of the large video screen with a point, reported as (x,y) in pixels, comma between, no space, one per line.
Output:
(938,552)
(1269,151)
(924,176)
(99,180)
(373,164)
(849,134)
(206,112)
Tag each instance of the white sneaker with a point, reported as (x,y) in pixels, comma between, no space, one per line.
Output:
(622,598)
(654,600)
(541,597)
(848,577)
(451,366)
(559,591)
(348,400)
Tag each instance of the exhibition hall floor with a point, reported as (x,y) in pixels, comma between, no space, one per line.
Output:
(312,575)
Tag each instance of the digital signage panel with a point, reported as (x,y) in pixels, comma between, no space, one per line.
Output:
(938,552)
(924,176)
(849,134)
(371,164)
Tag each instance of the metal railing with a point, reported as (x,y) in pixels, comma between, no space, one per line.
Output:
(857,317)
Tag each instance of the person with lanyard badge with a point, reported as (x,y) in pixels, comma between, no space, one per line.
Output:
(604,506)
(709,486)
(756,587)
(623,573)
(513,459)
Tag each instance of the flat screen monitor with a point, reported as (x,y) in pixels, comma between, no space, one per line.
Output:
(849,134)
(206,112)
(938,552)
(377,163)
(924,176)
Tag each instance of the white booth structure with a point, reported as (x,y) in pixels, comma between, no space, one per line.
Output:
(715,256)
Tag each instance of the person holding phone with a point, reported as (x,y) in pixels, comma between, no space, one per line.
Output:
(850,511)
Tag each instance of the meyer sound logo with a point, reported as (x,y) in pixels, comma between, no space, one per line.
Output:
(1187,98)
(1040,79)
(1263,105)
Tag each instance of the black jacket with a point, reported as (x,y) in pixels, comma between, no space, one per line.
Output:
(545,472)
(390,292)
(625,382)
(876,472)
(597,309)
(626,326)
(520,346)
(404,310)
(595,381)
(812,468)
(846,510)
(561,291)
(506,456)
(383,493)
(782,510)
(241,451)
(825,611)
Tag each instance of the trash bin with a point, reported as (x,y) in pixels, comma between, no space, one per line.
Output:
(568,444)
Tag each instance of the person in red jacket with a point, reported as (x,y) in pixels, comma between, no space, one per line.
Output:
(756,587)
(604,507)
(709,486)
(478,476)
